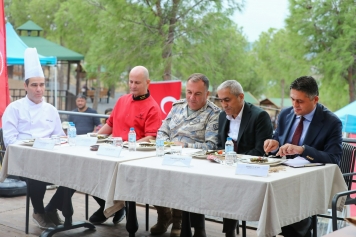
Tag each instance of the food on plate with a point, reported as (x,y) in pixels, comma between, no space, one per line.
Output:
(101,136)
(147,144)
(219,153)
(259,159)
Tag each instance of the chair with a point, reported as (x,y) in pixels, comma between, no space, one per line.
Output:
(12,185)
(2,147)
(346,165)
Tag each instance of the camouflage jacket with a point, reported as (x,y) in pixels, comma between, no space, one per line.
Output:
(199,130)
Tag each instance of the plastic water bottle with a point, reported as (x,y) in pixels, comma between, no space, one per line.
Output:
(229,145)
(72,134)
(159,144)
(132,140)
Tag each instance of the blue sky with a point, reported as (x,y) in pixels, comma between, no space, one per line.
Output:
(260,15)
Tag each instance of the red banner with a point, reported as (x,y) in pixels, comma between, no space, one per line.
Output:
(4,87)
(165,93)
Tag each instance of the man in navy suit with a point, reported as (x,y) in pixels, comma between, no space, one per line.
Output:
(307,129)
(248,126)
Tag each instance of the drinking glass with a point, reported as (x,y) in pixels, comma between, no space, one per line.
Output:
(230,158)
(56,139)
(117,141)
(176,149)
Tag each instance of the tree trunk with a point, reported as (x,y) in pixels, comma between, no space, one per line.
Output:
(351,83)
(282,93)
(168,44)
(97,91)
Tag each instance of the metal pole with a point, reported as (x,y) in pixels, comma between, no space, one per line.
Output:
(55,86)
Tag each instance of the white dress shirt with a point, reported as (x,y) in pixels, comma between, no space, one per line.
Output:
(235,124)
(24,119)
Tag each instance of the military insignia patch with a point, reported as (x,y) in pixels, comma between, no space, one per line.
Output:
(215,126)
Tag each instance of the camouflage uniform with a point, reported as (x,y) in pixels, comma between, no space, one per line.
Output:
(200,128)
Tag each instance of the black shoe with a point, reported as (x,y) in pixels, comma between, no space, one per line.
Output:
(98,217)
(119,216)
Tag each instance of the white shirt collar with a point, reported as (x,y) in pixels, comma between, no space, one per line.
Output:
(239,116)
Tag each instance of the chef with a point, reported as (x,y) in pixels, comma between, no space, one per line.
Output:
(31,117)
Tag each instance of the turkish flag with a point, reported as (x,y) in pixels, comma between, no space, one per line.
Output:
(4,87)
(165,93)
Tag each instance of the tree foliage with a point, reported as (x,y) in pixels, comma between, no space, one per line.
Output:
(280,58)
(166,36)
(327,28)
(218,48)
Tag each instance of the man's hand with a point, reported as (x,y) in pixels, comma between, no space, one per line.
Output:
(270,145)
(289,149)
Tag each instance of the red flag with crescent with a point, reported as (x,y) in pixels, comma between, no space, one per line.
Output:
(4,86)
(165,93)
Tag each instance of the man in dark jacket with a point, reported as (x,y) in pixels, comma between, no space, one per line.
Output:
(248,126)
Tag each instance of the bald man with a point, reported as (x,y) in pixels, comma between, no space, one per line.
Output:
(138,110)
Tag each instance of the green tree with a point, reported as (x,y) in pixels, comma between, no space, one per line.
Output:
(219,50)
(121,34)
(148,29)
(327,28)
(279,59)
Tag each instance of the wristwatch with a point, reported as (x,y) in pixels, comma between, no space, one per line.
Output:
(303,148)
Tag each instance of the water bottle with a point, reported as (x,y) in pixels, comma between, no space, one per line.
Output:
(132,140)
(229,145)
(159,144)
(72,134)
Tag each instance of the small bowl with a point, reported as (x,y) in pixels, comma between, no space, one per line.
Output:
(94,147)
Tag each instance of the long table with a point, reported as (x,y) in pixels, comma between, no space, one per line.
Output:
(209,188)
(74,167)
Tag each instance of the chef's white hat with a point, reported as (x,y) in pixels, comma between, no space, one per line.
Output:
(32,64)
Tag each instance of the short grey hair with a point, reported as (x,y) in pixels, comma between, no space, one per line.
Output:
(234,86)
(199,77)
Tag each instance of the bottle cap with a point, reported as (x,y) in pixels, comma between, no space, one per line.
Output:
(131,128)
(229,139)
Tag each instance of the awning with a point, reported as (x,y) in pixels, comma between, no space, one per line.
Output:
(15,49)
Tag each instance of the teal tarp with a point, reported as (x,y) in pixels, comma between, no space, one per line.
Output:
(347,116)
(15,49)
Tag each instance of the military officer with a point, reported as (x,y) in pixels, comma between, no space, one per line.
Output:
(192,122)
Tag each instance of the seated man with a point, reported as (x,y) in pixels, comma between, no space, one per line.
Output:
(138,110)
(307,129)
(192,122)
(83,124)
(248,126)
(31,117)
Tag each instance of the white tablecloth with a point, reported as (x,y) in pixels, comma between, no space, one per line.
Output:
(209,188)
(74,167)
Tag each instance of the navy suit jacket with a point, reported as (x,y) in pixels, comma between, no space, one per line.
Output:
(324,136)
(255,128)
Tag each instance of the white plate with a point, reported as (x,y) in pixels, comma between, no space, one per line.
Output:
(271,161)
(142,148)
(104,140)
(27,143)
(198,155)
